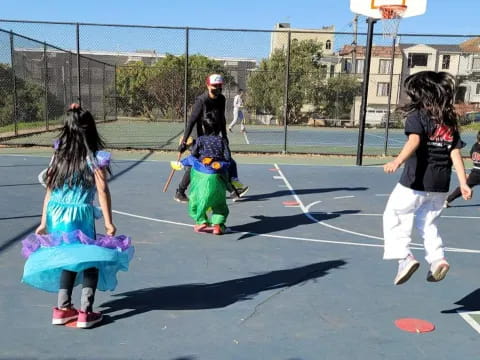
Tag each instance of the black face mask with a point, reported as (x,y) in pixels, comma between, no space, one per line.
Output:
(217,91)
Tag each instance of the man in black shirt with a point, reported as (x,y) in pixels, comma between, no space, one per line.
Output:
(211,102)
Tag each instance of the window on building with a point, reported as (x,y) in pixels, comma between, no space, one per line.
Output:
(446,62)
(417,60)
(328,45)
(385,66)
(382,88)
(477,89)
(360,65)
(476,63)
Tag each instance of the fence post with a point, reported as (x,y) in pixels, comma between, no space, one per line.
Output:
(103,93)
(387,122)
(14,82)
(45,82)
(285,95)
(115,90)
(79,84)
(185,80)
(89,79)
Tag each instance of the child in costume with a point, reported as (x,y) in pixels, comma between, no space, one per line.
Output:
(433,146)
(210,162)
(65,249)
(473,178)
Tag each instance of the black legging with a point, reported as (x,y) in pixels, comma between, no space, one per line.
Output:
(89,286)
(472,180)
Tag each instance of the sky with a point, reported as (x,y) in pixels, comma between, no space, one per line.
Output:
(442,17)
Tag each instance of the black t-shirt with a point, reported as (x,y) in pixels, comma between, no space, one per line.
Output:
(430,167)
(204,104)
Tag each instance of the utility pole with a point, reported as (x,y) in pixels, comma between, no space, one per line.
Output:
(354,43)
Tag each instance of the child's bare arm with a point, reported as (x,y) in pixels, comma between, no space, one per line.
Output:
(105,200)
(408,149)
(42,228)
(457,160)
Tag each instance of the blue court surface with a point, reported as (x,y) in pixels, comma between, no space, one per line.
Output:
(300,275)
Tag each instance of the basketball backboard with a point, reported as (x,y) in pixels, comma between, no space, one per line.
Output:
(371,8)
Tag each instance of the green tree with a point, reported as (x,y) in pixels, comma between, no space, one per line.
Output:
(266,85)
(335,96)
(159,89)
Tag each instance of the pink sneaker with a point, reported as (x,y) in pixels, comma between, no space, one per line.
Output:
(88,319)
(218,229)
(61,317)
(200,227)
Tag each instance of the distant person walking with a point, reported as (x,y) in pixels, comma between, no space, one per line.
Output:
(238,115)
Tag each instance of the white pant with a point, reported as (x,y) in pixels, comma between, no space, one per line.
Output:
(405,208)
(237,116)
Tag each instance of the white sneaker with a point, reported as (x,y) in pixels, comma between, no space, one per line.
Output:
(446,204)
(438,270)
(406,268)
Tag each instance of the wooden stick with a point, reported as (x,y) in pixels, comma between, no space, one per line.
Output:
(170,177)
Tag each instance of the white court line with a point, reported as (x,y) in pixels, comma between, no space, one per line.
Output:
(306,212)
(466,316)
(400,142)
(246,137)
(41,176)
(344,197)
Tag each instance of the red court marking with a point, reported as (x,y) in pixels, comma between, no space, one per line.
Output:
(273,169)
(290,203)
(414,325)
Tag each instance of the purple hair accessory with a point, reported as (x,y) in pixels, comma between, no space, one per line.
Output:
(103,158)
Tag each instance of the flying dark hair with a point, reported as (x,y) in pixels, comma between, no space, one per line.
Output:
(210,124)
(77,144)
(432,93)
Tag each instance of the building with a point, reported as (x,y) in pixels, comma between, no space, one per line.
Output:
(325,35)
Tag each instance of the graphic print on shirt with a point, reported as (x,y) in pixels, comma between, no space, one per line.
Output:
(442,136)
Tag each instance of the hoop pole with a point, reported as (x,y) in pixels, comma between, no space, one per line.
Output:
(366,77)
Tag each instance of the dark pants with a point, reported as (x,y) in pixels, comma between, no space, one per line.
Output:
(472,180)
(89,286)
(182,187)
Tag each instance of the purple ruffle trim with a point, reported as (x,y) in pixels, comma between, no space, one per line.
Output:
(33,241)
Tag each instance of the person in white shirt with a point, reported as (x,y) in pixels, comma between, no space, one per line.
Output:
(238,111)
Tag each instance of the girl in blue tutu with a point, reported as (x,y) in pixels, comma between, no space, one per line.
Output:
(65,249)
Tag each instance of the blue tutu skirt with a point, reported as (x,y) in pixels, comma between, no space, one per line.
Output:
(48,255)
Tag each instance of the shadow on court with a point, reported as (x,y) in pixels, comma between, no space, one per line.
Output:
(212,296)
(280,193)
(471,302)
(271,224)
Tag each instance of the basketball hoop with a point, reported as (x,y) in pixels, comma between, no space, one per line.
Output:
(391,17)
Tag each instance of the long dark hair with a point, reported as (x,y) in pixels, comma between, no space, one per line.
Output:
(210,124)
(432,93)
(77,144)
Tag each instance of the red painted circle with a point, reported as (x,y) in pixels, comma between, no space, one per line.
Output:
(414,325)
(290,203)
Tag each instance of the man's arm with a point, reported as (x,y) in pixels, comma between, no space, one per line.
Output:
(195,116)
(223,120)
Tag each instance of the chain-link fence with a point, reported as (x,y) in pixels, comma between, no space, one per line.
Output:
(37,83)
(303,88)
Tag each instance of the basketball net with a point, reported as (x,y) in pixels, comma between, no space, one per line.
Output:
(391,17)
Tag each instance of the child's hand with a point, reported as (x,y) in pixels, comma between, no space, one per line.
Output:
(466,191)
(41,230)
(391,167)
(110,229)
